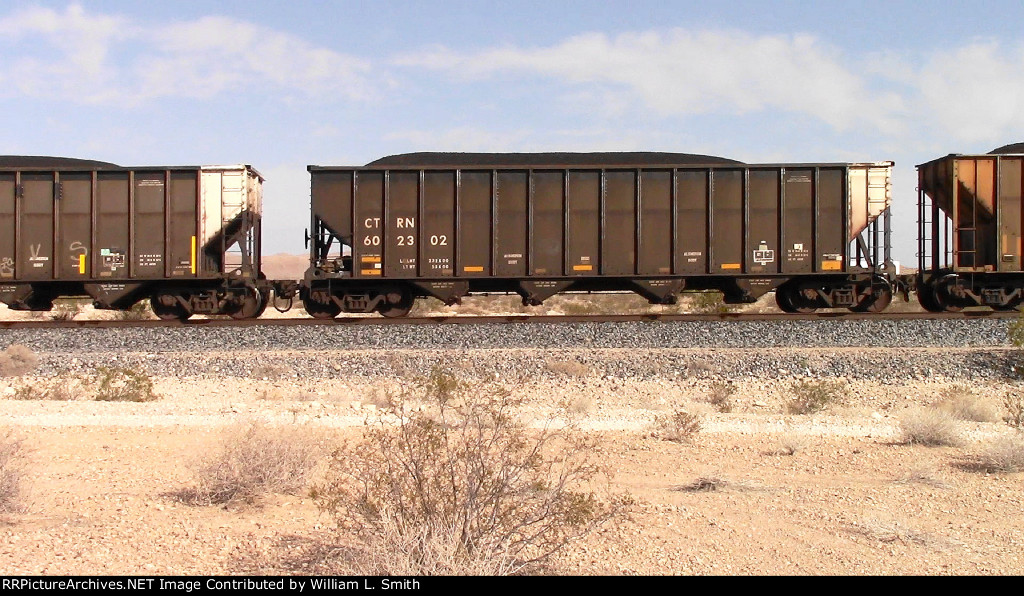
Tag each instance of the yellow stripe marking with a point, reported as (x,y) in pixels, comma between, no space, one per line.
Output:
(193,260)
(473,269)
(370,259)
(582,267)
(370,271)
(831,265)
(81,264)
(730,265)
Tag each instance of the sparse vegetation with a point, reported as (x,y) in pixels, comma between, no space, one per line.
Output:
(679,427)
(17,360)
(720,396)
(61,388)
(140,311)
(790,443)
(1014,404)
(930,426)
(255,460)
(461,487)
(812,396)
(11,461)
(961,402)
(65,310)
(124,384)
(270,371)
(1005,454)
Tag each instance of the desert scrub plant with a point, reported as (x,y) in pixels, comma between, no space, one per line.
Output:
(124,384)
(12,454)
(255,460)
(459,486)
(930,426)
(810,397)
(1004,454)
(60,388)
(680,426)
(720,396)
(1014,404)
(961,402)
(17,360)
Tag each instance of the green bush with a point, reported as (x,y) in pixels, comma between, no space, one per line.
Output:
(810,397)
(124,384)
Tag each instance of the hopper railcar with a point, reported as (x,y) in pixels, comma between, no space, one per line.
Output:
(970,225)
(187,238)
(449,225)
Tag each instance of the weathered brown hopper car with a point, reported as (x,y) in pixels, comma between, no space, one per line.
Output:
(969,230)
(447,225)
(186,238)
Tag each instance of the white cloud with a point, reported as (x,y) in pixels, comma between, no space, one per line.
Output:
(681,72)
(108,59)
(976,92)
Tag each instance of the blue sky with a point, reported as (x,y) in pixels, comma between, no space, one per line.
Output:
(282,85)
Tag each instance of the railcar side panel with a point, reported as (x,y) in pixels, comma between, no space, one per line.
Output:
(37,226)
(402,229)
(474,224)
(656,226)
(547,224)
(181,226)
(75,226)
(583,209)
(692,200)
(798,234)
(437,243)
(1010,181)
(510,223)
(331,200)
(110,255)
(618,234)
(368,252)
(8,234)
(728,222)
(149,199)
(830,244)
(763,202)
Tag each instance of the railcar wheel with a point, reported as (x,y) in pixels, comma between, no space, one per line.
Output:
(879,300)
(926,296)
(397,304)
(319,310)
(169,312)
(790,300)
(253,305)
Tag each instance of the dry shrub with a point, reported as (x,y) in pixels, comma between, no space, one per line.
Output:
(790,443)
(60,388)
(679,427)
(930,426)
(124,384)
(12,454)
(461,487)
(810,397)
(1014,404)
(962,404)
(720,396)
(254,461)
(17,360)
(140,311)
(1005,454)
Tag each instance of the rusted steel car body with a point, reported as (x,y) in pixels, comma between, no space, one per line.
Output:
(423,225)
(969,231)
(186,238)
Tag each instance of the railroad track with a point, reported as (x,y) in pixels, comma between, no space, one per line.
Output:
(517,318)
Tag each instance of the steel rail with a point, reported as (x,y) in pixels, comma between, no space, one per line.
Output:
(512,318)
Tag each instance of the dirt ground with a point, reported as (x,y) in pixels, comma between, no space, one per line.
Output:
(102,483)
